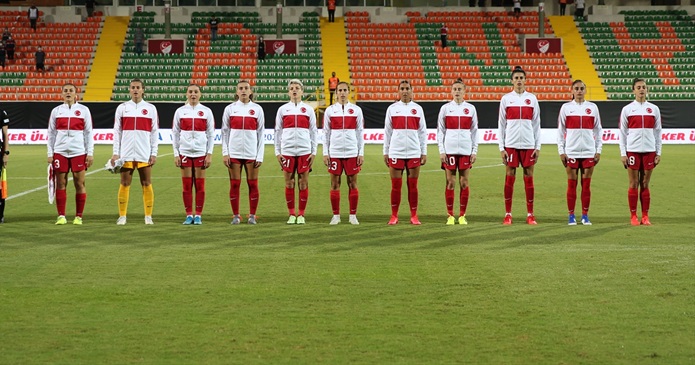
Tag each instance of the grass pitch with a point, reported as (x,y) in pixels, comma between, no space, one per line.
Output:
(369,294)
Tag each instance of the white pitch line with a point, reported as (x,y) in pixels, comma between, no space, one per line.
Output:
(18,195)
(221,177)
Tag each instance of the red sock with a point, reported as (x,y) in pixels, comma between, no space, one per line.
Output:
(254,194)
(199,195)
(80,200)
(412,195)
(303,198)
(234,195)
(463,200)
(449,199)
(396,183)
(586,195)
(335,201)
(61,199)
(632,196)
(571,195)
(508,193)
(530,191)
(353,198)
(187,194)
(289,198)
(645,198)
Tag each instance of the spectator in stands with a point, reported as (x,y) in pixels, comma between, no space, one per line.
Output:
(640,148)
(33,14)
(519,125)
(139,40)
(563,6)
(2,54)
(579,12)
(40,56)
(517,8)
(9,47)
(214,23)
(443,32)
(331,11)
(6,34)
(89,5)
(332,85)
(261,49)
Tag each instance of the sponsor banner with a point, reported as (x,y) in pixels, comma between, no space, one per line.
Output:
(542,45)
(165,46)
(280,46)
(371,136)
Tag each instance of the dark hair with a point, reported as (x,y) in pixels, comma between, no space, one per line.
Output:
(577,81)
(458,81)
(244,81)
(142,83)
(636,80)
(69,84)
(518,69)
(343,82)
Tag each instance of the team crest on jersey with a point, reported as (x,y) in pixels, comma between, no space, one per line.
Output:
(588,111)
(144,112)
(527,101)
(200,113)
(649,110)
(78,113)
(465,111)
(303,110)
(350,111)
(252,112)
(413,111)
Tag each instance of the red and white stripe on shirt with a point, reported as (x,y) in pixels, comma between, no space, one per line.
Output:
(193,131)
(295,130)
(640,128)
(135,131)
(457,129)
(405,131)
(342,131)
(579,130)
(70,131)
(519,121)
(243,126)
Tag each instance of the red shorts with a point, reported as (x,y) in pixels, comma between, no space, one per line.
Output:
(584,163)
(192,161)
(241,161)
(641,160)
(336,166)
(459,162)
(296,163)
(64,164)
(523,157)
(404,163)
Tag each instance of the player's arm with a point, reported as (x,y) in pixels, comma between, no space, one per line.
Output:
(89,137)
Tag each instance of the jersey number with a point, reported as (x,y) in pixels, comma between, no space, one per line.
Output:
(333,166)
(631,160)
(394,161)
(452,160)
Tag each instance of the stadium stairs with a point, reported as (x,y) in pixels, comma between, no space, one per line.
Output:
(106,59)
(334,52)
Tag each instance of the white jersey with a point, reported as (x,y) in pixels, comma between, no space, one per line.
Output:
(70,131)
(193,130)
(457,129)
(135,131)
(579,130)
(640,128)
(519,121)
(243,126)
(295,130)
(405,131)
(342,131)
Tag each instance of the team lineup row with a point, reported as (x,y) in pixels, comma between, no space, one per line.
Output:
(135,147)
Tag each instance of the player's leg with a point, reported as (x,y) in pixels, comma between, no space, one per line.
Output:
(645,195)
(396,187)
(61,195)
(252,169)
(303,182)
(78,180)
(124,192)
(572,179)
(187,192)
(234,170)
(199,183)
(530,193)
(289,195)
(413,196)
(335,197)
(587,172)
(633,177)
(145,173)
(509,179)
(449,194)
(353,198)
(463,195)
